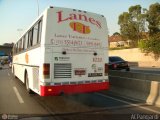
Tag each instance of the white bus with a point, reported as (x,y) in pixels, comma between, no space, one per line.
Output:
(63,51)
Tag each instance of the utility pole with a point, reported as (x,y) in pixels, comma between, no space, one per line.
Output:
(38,7)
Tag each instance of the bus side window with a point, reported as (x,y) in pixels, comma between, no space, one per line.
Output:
(39,31)
(35,34)
(24,40)
(20,45)
(30,38)
(17,48)
(29,34)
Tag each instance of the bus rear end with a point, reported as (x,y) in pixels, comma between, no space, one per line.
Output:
(75,58)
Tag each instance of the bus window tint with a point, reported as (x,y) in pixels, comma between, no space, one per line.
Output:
(17,48)
(35,34)
(39,31)
(22,44)
(30,39)
(26,41)
(19,45)
(24,38)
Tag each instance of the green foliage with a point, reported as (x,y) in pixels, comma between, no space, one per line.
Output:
(135,9)
(151,45)
(132,23)
(142,44)
(153,18)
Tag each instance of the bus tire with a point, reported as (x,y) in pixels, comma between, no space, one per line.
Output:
(27,83)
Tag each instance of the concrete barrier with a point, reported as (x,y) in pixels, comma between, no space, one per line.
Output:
(157,103)
(154,91)
(130,87)
(136,85)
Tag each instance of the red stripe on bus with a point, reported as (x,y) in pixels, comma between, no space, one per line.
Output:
(72,89)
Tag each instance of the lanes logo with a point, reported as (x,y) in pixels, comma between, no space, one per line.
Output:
(79,27)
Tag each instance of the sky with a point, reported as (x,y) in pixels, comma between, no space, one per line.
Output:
(17,15)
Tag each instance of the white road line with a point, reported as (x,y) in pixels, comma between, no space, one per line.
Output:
(18,95)
(129,98)
(135,105)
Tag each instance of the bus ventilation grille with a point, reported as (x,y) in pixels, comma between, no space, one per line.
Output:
(62,70)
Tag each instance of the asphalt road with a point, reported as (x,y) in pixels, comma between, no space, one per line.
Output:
(16,103)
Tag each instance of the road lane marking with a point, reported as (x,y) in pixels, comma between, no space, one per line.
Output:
(135,105)
(135,100)
(124,106)
(18,95)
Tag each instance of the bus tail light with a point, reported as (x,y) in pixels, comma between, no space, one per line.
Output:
(46,70)
(106,69)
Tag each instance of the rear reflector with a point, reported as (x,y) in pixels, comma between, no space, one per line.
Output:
(106,69)
(49,90)
(46,70)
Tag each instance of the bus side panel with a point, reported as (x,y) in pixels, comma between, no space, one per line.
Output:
(33,67)
(30,62)
(33,75)
(17,70)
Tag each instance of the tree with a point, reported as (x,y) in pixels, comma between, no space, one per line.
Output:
(135,23)
(132,23)
(153,18)
(152,43)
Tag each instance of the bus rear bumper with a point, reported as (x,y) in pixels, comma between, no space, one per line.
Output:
(72,89)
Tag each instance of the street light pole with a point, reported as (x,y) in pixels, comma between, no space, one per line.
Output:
(38,6)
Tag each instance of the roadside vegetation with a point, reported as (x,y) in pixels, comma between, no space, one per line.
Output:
(119,48)
(142,26)
(151,45)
